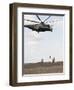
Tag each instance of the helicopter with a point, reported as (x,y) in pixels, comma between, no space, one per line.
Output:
(41,26)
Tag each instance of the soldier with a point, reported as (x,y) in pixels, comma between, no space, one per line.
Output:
(42,60)
(53,60)
(49,59)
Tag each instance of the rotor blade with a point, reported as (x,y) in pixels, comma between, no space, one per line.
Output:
(47,18)
(32,21)
(38,18)
(52,21)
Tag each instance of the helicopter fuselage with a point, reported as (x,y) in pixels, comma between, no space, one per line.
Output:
(39,27)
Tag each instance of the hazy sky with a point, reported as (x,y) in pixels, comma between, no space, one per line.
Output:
(44,44)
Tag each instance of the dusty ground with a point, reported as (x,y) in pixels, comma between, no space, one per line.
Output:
(38,68)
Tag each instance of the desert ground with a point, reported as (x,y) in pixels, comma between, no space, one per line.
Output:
(41,68)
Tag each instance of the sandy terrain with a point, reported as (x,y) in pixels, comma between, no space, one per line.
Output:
(38,68)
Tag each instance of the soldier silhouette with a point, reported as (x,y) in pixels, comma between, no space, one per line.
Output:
(50,59)
(42,60)
(53,60)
